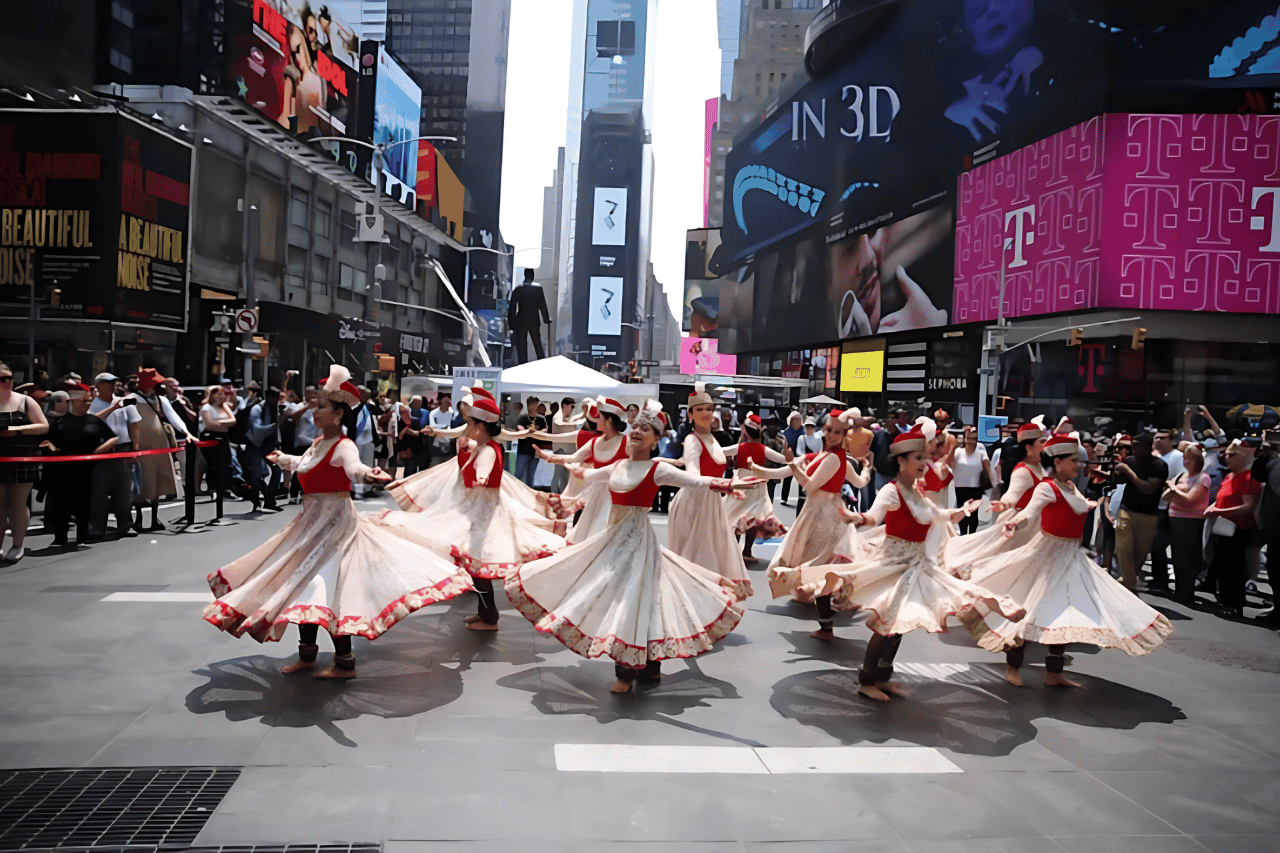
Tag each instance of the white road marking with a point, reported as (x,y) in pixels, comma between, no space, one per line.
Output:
(631,758)
(162,597)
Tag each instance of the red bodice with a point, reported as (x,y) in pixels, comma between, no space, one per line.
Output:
(618,456)
(464,454)
(707,465)
(641,495)
(750,452)
(469,469)
(1059,519)
(585,436)
(325,478)
(933,482)
(812,463)
(901,524)
(1035,481)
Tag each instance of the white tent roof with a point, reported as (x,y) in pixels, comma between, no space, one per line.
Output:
(558,374)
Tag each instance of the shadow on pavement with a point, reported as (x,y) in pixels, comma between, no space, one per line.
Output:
(969,709)
(583,690)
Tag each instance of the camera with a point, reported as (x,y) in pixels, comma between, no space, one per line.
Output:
(132,401)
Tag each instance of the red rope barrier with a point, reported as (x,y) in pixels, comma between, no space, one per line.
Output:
(97,457)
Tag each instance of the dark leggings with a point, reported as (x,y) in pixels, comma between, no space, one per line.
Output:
(877,663)
(1053,661)
(487,607)
(651,671)
(308,648)
(968,524)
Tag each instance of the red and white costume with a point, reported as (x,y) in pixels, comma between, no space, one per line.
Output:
(331,565)
(698,526)
(592,495)
(755,511)
(620,593)
(1067,596)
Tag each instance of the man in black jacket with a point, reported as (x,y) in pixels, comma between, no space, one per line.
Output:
(528,305)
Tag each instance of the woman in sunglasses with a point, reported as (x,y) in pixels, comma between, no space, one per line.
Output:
(21,421)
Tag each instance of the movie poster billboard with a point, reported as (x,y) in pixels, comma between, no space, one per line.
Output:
(837,285)
(397,110)
(295,63)
(701,313)
(94,218)
(940,85)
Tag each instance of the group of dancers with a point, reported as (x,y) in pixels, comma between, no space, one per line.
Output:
(587,567)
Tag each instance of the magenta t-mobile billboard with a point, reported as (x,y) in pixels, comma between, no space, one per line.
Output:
(1176,212)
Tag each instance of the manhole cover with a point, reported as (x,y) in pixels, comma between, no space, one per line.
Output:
(1224,654)
(135,807)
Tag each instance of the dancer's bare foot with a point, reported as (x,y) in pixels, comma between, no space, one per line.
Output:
(620,686)
(823,634)
(335,673)
(891,688)
(297,666)
(1012,676)
(481,625)
(1057,679)
(873,692)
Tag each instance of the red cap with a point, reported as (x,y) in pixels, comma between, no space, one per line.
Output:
(483,409)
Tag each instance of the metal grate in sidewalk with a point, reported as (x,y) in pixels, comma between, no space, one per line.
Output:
(144,807)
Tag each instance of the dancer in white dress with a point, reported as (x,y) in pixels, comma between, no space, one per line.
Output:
(753,516)
(698,524)
(478,529)
(822,523)
(331,567)
(1067,596)
(620,593)
(901,586)
(961,551)
(599,452)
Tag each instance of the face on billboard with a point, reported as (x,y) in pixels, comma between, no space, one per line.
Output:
(943,83)
(609,217)
(892,279)
(296,64)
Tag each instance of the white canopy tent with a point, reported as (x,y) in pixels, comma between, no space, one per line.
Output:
(559,376)
(822,400)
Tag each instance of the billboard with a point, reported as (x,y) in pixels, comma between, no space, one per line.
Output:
(294,63)
(837,285)
(604,305)
(390,104)
(702,355)
(883,136)
(711,115)
(609,217)
(94,216)
(1175,212)
(862,372)
(701,311)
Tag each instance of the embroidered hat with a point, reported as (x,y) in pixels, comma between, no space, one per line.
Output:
(1064,426)
(1067,444)
(916,438)
(339,387)
(752,422)
(1032,429)
(483,409)
(610,406)
(651,413)
(700,397)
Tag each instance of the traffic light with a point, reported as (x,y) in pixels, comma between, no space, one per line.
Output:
(1077,336)
(1139,336)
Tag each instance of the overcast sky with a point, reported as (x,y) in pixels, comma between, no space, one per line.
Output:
(687,60)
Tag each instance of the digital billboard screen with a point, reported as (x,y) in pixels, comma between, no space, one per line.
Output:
(939,86)
(295,63)
(397,110)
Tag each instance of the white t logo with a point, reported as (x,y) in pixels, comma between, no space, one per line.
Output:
(1259,223)
(1023,235)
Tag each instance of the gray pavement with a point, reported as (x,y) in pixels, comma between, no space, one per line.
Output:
(447,740)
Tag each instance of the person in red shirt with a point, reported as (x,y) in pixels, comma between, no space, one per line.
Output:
(1232,517)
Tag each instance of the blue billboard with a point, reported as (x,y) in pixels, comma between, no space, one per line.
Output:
(397,108)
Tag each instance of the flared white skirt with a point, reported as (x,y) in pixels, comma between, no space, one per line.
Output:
(811,541)
(698,530)
(754,512)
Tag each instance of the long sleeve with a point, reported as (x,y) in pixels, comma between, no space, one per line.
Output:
(449,432)
(582,454)
(1042,497)
(827,469)
(1019,484)
(855,479)
(347,457)
(886,501)
(259,427)
(542,307)
(486,461)
(774,456)
(179,428)
(592,474)
(288,462)
(670,475)
(692,454)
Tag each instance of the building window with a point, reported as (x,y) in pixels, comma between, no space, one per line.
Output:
(320,275)
(615,38)
(298,208)
(346,227)
(296,270)
(322,219)
(351,282)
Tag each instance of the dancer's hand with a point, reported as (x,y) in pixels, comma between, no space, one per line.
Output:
(998,507)
(1010,527)
(543,453)
(393,484)
(274,456)
(971,506)
(746,482)
(576,472)
(377,475)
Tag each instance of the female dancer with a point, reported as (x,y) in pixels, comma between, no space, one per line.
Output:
(20,422)
(821,525)
(960,552)
(901,585)
(698,526)
(753,516)
(620,593)
(1067,596)
(477,527)
(592,498)
(331,567)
